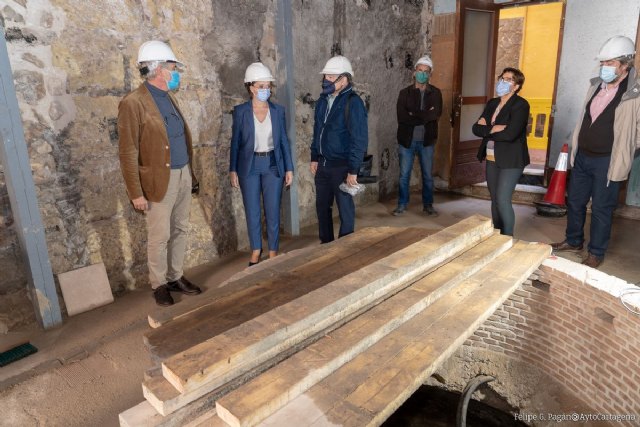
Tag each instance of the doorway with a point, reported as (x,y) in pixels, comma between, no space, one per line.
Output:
(488,38)
(529,39)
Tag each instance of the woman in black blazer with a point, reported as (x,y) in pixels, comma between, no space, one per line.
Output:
(503,129)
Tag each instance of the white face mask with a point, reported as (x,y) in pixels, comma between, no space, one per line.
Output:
(608,73)
(503,87)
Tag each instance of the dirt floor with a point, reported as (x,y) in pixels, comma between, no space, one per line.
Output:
(90,369)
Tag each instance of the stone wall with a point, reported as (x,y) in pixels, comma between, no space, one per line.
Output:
(74,60)
(562,343)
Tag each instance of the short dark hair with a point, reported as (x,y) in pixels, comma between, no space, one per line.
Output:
(518,76)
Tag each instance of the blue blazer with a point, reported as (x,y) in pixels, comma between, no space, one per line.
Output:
(243,140)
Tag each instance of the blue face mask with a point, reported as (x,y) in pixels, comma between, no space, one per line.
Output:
(263,94)
(328,87)
(608,73)
(422,77)
(175,80)
(503,88)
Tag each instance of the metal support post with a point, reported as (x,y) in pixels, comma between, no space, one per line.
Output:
(286,96)
(23,199)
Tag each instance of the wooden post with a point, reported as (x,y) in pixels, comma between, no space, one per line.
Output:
(24,202)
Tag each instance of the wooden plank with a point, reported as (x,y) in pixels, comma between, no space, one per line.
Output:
(265,269)
(275,289)
(380,379)
(144,415)
(195,415)
(218,360)
(251,403)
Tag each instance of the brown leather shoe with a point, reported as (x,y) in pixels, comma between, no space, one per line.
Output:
(163,296)
(184,286)
(592,261)
(564,246)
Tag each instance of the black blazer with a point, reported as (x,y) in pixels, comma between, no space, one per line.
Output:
(410,115)
(511,149)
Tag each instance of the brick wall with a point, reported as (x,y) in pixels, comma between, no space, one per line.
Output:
(567,320)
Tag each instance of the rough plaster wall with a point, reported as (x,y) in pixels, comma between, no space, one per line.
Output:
(74,60)
(588,24)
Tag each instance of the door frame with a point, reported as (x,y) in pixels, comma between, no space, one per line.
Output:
(463,158)
(457,72)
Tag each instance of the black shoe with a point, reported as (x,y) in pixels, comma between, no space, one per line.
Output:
(163,296)
(429,210)
(184,286)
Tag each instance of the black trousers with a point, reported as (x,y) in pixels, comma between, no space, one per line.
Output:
(327,181)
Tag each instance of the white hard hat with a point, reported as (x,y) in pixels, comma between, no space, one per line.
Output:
(155,50)
(258,72)
(616,47)
(337,65)
(425,60)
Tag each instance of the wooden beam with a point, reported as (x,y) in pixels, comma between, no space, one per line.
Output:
(365,391)
(24,200)
(250,277)
(275,288)
(253,402)
(220,359)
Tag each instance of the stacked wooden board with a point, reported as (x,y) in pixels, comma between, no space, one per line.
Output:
(339,334)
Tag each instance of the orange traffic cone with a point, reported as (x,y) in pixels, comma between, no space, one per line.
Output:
(553,203)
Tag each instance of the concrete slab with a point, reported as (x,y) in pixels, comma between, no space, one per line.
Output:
(85,288)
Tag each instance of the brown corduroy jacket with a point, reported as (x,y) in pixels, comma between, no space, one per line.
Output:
(145,157)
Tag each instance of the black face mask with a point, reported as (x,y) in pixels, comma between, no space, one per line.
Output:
(328,87)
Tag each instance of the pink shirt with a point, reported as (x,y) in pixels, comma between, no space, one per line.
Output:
(601,100)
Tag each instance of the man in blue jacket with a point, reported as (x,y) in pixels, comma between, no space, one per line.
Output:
(340,139)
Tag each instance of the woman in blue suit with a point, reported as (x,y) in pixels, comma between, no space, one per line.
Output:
(260,158)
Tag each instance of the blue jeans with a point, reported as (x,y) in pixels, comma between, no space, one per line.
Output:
(589,181)
(263,180)
(501,184)
(327,181)
(406,156)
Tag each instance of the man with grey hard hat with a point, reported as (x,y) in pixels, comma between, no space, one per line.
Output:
(602,151)
(156,160)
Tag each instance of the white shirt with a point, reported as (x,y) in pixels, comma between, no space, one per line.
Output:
(264,134)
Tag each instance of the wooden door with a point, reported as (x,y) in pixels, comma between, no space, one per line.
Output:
(476,44)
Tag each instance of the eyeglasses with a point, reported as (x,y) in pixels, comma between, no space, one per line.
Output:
(507,79)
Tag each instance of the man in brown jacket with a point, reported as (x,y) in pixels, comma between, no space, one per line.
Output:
(156,158)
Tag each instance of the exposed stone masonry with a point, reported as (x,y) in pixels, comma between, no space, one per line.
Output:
(73,62)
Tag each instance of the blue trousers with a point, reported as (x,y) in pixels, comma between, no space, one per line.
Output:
(406,156)
(327,180)
(589,181)
(501,184)
(263,180)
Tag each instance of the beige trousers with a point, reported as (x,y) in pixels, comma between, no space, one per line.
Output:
(167,229)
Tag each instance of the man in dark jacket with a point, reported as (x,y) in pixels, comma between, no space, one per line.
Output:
(340,139)
(419,107)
